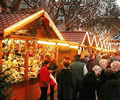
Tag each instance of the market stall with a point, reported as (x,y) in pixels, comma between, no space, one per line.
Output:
(24,38)
(23,49)
(83,38)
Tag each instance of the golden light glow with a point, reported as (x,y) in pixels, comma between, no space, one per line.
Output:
(98,48)
(54,27)
(18,41)
(71,46)
(45,42)
(62,44)
(104,50)
(11,40)
(22,41)
(21,23)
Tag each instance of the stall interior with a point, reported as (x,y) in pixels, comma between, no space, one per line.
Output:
(14,58)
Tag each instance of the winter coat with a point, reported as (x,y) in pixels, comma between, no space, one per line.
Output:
(110,90)
(77,69)
(65,84)
(90,84)
(90,64)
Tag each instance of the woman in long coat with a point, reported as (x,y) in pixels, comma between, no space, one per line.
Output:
(65,83)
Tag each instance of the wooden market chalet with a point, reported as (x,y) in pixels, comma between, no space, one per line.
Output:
(26,37)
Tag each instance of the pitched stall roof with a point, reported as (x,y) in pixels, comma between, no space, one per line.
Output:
(91,38)
(38,24)
(8,19)
(74,36)
(95,41)
(108,45)
(88,38)
(100,43)
(104,44)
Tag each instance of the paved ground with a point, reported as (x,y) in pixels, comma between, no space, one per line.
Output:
(55,96)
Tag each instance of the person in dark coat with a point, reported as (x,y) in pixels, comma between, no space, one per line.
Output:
(103,64)
(91,82)
(110,90)
(79,70)
(105,74)
(91,63)
(65,82)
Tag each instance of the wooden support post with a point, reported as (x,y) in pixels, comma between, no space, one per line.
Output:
(57,52)
(26,64)
(26,61)
(26,72)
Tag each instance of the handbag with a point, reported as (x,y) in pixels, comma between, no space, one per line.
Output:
(52,80)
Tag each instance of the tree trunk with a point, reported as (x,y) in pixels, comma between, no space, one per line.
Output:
(17,5)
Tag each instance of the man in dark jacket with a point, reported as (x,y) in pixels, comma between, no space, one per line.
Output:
(79,69)
(91,63)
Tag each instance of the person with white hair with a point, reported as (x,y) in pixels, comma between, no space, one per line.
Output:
(115,66)
(103,63)
(110,90)
(105,70)
(91,82)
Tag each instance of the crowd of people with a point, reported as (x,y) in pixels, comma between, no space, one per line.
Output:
(93,77)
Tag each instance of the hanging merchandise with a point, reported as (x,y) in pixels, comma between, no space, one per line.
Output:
(13,59)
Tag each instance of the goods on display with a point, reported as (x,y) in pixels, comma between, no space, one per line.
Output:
(14,52)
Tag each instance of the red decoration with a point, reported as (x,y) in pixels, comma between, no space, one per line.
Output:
(31,53)
(16,46)
(46,21)
(1,38)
